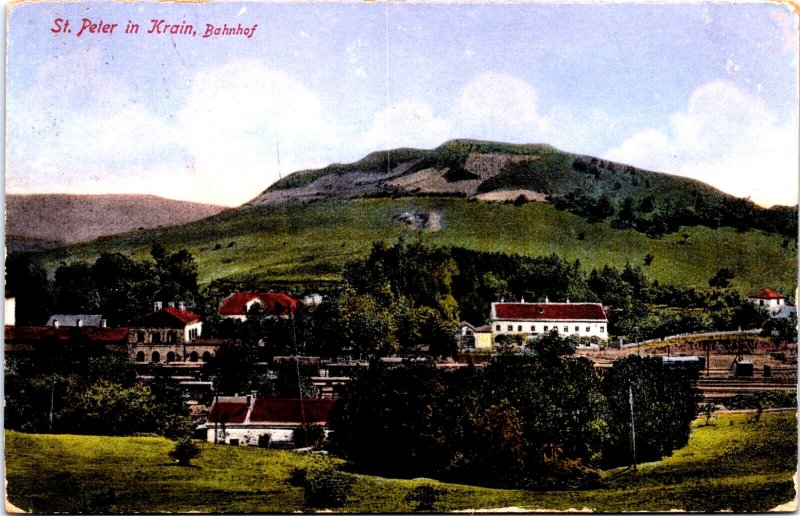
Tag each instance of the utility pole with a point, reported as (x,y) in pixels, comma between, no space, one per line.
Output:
(52,400)
(633,427)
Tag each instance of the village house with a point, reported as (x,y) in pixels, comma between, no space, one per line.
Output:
(241,420)
(474,338)
(773,302)
(167,334)
(532,319)
(273,304)
(92,320)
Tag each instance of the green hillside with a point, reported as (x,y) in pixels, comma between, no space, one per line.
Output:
(735,463)
(302,242)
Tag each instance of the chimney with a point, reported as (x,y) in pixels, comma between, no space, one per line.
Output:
(249,400)
(182,305)
(103,323)
(157,306)
(79,323)
(546,300)
(171,304)
(523,300)
(55,323)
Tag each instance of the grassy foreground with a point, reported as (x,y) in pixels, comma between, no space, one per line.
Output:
(295,242)
(734,463)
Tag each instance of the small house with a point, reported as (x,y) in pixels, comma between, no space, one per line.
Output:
(273,304)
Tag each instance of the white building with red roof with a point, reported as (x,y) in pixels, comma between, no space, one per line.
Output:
(241,420)
(532,319)
(273,304)
(773,302)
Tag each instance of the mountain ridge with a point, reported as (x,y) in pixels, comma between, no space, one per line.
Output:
(70,218)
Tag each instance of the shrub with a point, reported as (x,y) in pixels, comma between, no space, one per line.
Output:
(425,496)
(308,435)
(327,488)
(263,440)
(184,451)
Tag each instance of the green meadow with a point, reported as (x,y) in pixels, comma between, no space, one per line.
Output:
(735,463)
(256,246)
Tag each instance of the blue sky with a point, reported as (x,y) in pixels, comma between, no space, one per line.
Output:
(705,90)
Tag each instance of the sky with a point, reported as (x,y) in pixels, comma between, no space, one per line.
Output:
(704,90)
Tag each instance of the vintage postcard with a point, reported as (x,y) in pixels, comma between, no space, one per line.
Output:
(394,257)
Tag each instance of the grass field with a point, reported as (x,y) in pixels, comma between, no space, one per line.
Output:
(290,242)
(735,463)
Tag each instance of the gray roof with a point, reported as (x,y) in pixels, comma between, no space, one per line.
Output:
(72,319)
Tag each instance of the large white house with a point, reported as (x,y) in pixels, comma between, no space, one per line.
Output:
(773,302)
(532,319)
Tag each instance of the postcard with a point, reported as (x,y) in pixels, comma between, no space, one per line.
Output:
(395,257)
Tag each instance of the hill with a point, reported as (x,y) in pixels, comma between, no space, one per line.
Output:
(735,463)
(44,220)
(472,168)
(296,242)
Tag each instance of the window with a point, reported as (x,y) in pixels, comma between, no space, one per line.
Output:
(602,329)
(533,328)
(172,337)
(577,329)
(156,357)
(510,327)
(206,356)
(140,356)
(497,328)
(156,338)
(193,356)
(519,328)
(545,328)
(139,336)
(566,329)
(170,357)
(588,329)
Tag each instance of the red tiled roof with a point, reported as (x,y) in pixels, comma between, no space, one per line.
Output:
(550,311)
(766,294)
(65,334)
(228,412)
(273,303)
(169,317)
(289,411)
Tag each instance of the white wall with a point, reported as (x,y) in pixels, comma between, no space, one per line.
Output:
(248,436)
(595,329)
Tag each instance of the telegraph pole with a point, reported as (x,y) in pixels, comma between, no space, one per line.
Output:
(633,427)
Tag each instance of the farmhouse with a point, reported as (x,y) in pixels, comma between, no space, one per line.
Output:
(532,319)
(65,341)
(273,304)
(166,334)
(241,420)
(773,302)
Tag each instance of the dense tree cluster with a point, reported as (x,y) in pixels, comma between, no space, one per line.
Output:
(88,393)
(542,421)
(659,217)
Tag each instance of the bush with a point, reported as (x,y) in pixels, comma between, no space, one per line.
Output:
(425,496)
(263,440)
(327,488)
(308,435)
(184,451)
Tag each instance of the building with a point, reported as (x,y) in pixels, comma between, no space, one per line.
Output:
(773,302)
(93,320)
(532,319)
(241,420)
(474,338)
(273,304)
(165,335)
(10,312)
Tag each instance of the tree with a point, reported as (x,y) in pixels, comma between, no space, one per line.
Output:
(184,451)
(27,280)
(722,278)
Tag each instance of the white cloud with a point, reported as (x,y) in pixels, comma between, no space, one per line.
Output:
(406,124)
(499,107)
(727,138)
